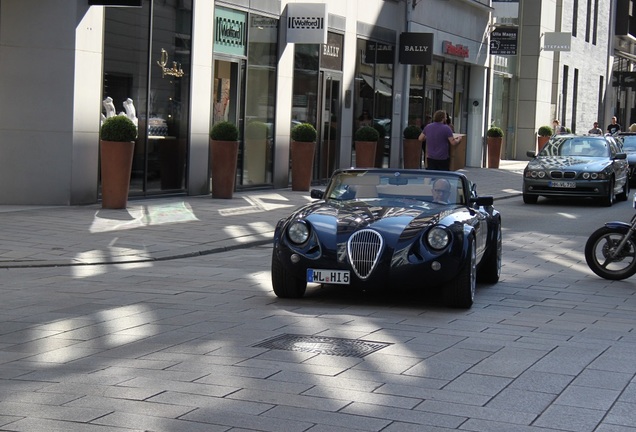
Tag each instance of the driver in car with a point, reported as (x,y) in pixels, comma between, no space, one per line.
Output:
(441,191)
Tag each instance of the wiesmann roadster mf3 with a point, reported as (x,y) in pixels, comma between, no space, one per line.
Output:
(391,229)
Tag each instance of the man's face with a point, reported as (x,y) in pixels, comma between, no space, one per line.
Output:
(441,191)
(595,124)
(613,120)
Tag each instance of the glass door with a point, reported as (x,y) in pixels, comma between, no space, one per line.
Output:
(328,142)
(225,98)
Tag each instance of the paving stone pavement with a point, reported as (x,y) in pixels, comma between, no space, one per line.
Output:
(146,343)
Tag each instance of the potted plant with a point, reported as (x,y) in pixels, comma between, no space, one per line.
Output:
(117,144)
(379,148)
(255,151)
(365,141)
(494,139)
(223,158)
(303,147)
(412,147)
(544,134)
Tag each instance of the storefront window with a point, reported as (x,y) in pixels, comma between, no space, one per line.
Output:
(306,64)
(374,93)
(416,96)
(260,100)
(132,50)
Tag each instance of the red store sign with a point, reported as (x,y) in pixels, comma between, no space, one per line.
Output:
(455,50)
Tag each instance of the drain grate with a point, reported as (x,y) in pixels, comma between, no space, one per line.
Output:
(323,345)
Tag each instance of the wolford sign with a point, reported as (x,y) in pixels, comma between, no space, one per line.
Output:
(416,48)
(307,23)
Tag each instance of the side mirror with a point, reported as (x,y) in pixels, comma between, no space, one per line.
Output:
(483,201)
(531,153)
(620,156)
(317,193)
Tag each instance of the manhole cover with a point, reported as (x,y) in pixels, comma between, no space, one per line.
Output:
(323,345)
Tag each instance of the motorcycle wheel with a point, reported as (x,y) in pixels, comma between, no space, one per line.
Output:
(601,243)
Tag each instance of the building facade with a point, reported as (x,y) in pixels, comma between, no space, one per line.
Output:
(179,66)
(560,69)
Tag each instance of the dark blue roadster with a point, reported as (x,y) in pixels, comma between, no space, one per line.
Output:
(383,228)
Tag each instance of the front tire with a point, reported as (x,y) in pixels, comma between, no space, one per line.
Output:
(624,192)
(490,270)
(460,292)
(598,248)
(530,199)
(608,200)
(284,283)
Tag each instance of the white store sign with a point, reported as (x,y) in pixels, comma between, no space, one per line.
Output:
(307,23)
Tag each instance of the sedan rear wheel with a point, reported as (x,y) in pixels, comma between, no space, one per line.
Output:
(285,284)
(460,292)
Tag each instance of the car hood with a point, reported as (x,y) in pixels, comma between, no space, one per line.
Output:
(334,222)
(568,162)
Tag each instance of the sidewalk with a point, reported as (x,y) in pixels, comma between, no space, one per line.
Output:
(176,227)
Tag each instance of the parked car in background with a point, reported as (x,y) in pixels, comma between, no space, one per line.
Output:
(377,229)
(627,141)
(584,166)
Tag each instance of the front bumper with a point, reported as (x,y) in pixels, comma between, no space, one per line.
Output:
(388,274)
(584,188)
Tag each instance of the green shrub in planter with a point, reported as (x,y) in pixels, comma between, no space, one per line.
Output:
(411,132)
(256,130)
(304,132)
(545,131)
(224,131)
(494,132)
(118,128)
(366,133)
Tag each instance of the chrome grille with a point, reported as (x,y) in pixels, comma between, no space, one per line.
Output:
(562,174)
(364,248)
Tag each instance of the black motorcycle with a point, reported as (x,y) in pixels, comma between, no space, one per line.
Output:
(611,250)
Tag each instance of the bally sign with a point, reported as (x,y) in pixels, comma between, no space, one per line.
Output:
(307,23)
(416,48)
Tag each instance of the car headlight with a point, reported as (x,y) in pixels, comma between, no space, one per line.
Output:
(298,232)
(437,238)
(535,174)
(594,176)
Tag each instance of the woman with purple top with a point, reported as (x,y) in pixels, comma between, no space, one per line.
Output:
(439,137)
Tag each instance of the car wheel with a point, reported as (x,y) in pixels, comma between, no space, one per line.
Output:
(460,292)
(608,200)
(624,192)
(490,269)
(530,199)
(285,284)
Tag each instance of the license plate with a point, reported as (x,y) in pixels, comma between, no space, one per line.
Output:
(339,277)
(562,184)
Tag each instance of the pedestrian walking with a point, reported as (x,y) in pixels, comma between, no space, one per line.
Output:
(439,137)
(613,127)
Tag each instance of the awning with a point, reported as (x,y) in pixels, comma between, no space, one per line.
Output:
(379,86)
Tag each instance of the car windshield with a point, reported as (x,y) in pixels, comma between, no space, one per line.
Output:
(629,144)
(587,146)
(432,187)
